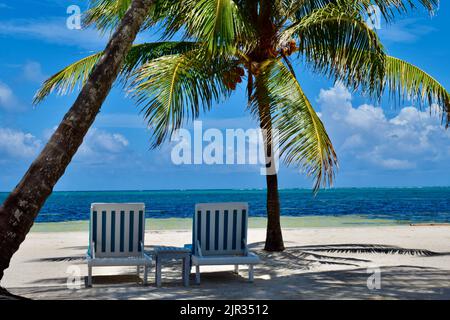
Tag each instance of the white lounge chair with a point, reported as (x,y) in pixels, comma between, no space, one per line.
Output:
(220,237)
(116,237)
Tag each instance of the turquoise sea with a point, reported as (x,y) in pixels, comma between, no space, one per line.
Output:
(412,205)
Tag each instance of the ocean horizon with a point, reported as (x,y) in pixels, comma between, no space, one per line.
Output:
(398,204)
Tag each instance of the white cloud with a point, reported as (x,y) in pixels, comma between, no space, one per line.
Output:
(405,31)
(32,71)
(412,139)
(6,95)
(98,147)
(101,146)
(120,120)
(18,144)
(8,101)
(52,30)
(396,164)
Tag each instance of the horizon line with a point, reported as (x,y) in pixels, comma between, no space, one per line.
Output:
(248,189)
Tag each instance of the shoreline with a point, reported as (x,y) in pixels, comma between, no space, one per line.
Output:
(250,189)
(287,222)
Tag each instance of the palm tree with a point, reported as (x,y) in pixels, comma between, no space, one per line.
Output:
(209,46)
(21,207)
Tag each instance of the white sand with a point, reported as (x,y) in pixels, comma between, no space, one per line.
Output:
(306,270)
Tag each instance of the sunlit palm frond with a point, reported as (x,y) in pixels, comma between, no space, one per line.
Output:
(410,82)
(174,89)
(389,9)
(218,24)
(105,14)
(66,80)
(335,40)
(302,138)
(143,53)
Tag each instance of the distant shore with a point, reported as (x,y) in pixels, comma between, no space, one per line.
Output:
(254,222)
(329,207)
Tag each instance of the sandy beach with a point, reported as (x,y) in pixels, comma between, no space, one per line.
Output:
(319,263)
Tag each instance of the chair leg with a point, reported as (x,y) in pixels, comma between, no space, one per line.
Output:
(236,268)
(138,271)
(250,273)
(145,274)
(89,280)
(197,274)
(158,273)
(186,272)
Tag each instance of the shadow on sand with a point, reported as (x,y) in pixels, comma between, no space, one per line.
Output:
(287,275)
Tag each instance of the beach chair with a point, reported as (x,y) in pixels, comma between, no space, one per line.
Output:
(116,237)
(220,237)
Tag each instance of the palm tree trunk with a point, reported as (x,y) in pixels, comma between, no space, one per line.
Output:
(274,236)
(18,212)
(264,51)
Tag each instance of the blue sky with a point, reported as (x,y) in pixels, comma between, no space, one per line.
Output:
(387,145)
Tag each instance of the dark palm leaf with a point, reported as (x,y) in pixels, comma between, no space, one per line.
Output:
(366,248)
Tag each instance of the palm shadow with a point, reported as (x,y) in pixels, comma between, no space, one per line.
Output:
(292,274)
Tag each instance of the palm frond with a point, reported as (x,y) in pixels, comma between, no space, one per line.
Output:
(297,9)
(174,89)
(390,9)
(105,14)
(67,79)
(412,83)
(335,40)
(218,24)
(302,138)
(75,75)
(143,53)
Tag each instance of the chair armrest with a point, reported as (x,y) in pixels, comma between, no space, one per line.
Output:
(91,250)
(141,244)
(199,249)
(244,242)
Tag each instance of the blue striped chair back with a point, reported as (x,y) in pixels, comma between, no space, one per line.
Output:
(117,229)
(220,228)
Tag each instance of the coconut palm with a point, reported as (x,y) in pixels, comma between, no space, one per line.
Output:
(208,47)
(22,205)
